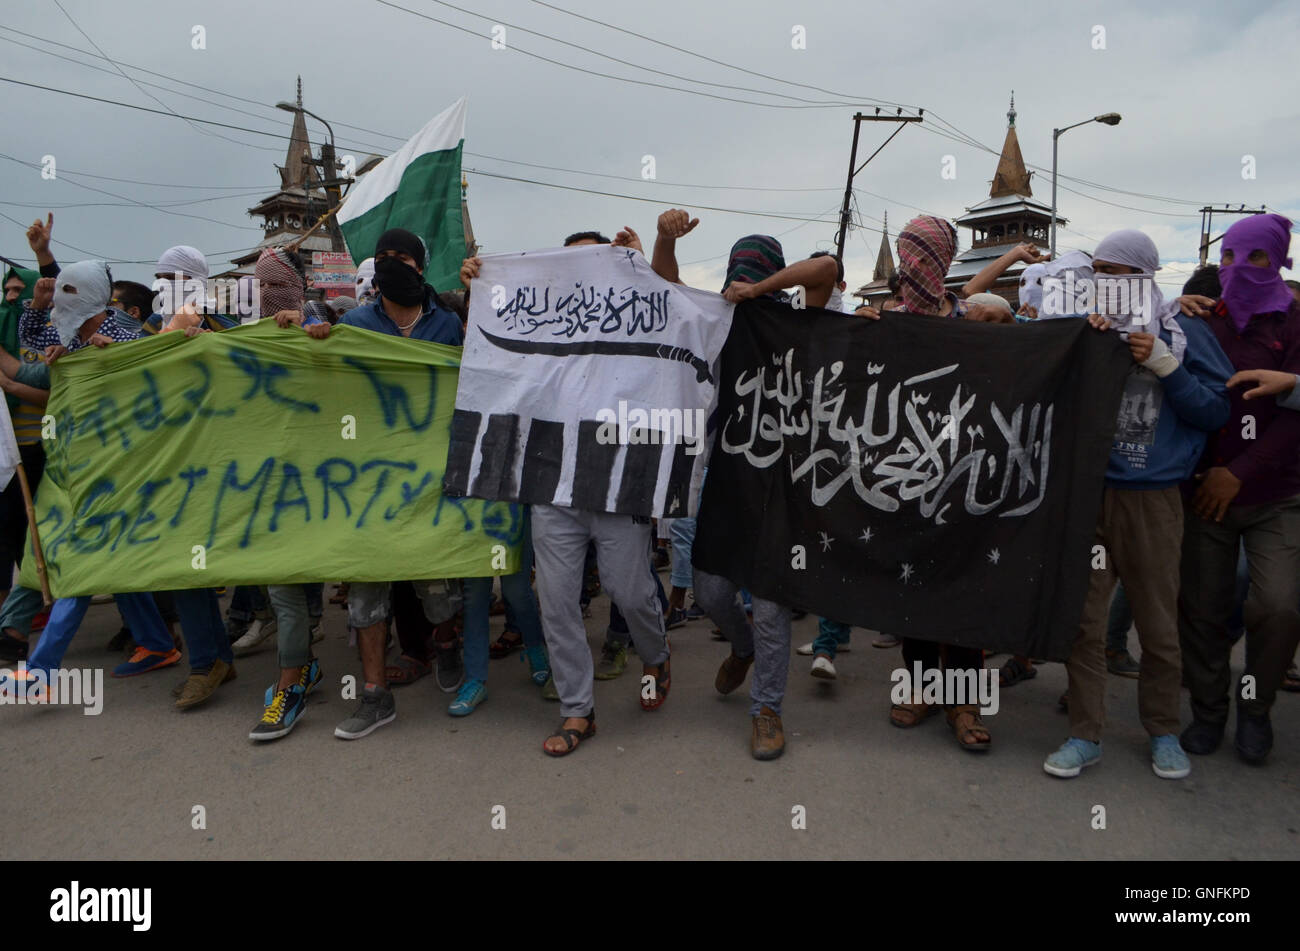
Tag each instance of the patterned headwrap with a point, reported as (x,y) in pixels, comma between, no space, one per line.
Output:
(925,250)
(274,265)
(754,258)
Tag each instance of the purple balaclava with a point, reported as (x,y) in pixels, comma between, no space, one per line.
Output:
(1248,289)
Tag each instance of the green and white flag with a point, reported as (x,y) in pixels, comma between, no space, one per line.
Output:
(416,188)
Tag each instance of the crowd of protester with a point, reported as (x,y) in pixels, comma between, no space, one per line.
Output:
(1200,522)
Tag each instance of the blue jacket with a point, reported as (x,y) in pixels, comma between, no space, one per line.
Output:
(1164,422)
(436,324)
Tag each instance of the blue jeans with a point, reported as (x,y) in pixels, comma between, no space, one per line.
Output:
(517,590)
(199,611)
(138,610)
(682,533)
(830,635)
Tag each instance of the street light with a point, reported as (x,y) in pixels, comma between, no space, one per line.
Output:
(1108,118)
(328,179)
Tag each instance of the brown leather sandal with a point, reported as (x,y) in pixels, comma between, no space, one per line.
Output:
(908,715)
(969,728)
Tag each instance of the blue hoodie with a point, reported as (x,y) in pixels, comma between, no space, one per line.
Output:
(1164,422)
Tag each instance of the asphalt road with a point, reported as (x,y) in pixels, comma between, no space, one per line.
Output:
(677,784)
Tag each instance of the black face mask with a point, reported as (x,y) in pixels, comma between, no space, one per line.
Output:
(399,282)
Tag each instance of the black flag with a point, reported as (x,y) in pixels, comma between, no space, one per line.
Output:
(922,476)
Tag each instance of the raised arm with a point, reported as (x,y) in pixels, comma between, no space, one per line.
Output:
(986,278)
(673,224)
(817,276)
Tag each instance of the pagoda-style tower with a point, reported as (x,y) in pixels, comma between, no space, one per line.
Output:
(1007,217)
(876,290)
(297,205)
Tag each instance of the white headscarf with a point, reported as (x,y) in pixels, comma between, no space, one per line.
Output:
(1031,286)
(366,281)
(1132,248)
(91,288)
(185,260)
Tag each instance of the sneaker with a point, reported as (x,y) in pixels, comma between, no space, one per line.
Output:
(470,695)
(1167,757)
(229,676)
(732,673)
(548,690)
(202,684)
(377,708)
(822,668)
(255,637)
(613,661)
(1202,737)
(308,677)
(767,738)
(887,641)
(317,632)
(282,713)
(695,612)
(676,618)
(1122,664)
(805,650)
(448,669)
(143,661)
(1070,760)
(539,665)
(1254,737)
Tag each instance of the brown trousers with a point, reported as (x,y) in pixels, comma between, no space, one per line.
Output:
(1141,531)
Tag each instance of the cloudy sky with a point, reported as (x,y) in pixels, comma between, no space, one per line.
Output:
(1204,89)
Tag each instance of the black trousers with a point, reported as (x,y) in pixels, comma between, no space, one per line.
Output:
(13,512)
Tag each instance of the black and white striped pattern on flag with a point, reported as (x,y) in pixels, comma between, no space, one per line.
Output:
(586,382)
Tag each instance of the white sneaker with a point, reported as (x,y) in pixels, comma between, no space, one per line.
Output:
(257,634)
(823,668)
(805,649)
(317,633)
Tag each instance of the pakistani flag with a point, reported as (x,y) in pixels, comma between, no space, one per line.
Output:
(416,188)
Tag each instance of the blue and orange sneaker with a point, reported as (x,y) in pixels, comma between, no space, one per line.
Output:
(143,661)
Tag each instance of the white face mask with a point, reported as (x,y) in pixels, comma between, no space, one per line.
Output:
(89,297)
(837,300)
(173,293)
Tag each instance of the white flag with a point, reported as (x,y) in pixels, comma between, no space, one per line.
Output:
(9,458)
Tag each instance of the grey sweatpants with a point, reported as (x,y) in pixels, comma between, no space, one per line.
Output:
(767,639)
(560,537)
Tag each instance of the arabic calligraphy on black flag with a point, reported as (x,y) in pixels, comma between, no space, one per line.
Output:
(921,476)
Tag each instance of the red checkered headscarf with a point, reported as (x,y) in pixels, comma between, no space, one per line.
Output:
(925,250)
(274,266)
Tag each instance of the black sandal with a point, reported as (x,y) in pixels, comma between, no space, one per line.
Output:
(572,738)
(505,645)
(1013,672)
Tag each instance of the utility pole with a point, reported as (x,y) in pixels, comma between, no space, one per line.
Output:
(1207,223)
(845,214)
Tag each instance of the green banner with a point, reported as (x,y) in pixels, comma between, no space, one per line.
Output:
(254,456)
